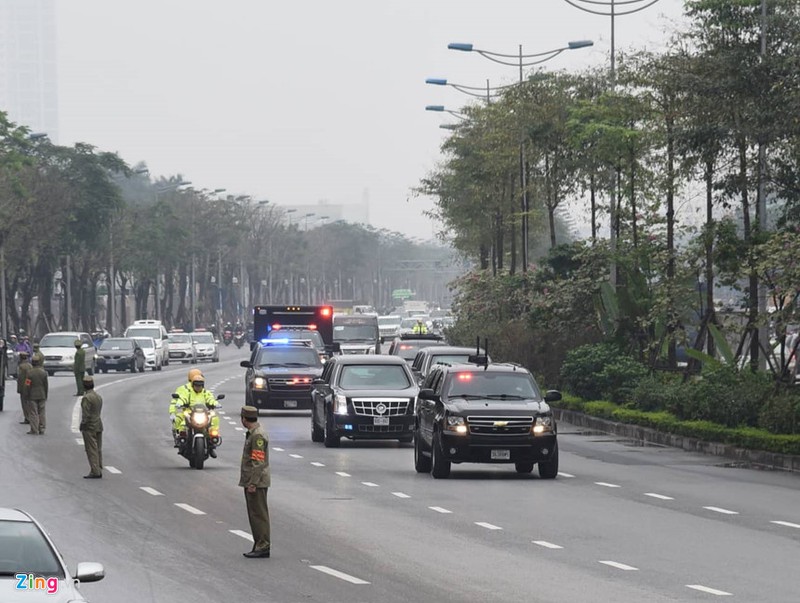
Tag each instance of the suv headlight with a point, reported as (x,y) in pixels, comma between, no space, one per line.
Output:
(455,424)
(340,404)
(259,383)
(543,424)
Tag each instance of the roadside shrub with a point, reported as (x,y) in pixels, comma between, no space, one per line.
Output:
(620,377)
(781,413)
(657,392)
(601,371)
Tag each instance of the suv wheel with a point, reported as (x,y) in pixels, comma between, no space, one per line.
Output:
(440,468)
(422,463)
(329,438)
(317,434)
(549,469)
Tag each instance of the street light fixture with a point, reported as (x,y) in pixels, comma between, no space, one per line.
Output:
(442,109)
(522,61)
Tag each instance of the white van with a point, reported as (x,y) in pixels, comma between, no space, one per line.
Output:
(154,329)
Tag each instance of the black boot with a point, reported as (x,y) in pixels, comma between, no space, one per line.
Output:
(212,452)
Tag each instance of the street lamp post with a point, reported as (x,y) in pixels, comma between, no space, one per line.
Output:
(521,61)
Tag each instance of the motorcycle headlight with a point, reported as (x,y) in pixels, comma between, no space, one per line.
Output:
(259,383)
(455,424)
(200,419)
(542,424)
(340,405)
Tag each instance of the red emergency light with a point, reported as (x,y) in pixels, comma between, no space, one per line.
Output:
(465,376)
(326,311)
(276,326)
(312,327)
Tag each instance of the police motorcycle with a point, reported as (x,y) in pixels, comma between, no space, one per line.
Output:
(198,440)
(238,338)
(227,336)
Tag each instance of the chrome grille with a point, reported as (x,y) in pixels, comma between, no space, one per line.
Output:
(380,428)
(52,357)
(289,384)
(368,407)
(500,425)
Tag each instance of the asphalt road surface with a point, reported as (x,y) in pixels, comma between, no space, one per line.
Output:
(621,523)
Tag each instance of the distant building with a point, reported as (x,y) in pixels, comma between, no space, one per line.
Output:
(28,75)
(324,212)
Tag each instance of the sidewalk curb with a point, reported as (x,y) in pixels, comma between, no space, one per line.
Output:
(771,460)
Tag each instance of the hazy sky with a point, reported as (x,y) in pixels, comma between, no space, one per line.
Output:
(298,101)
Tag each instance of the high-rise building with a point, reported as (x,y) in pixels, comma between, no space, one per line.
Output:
(28,75)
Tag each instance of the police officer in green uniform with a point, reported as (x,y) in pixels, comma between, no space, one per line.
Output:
(79,367)
(92,428)
(255,479)
(35,389)
(23,369)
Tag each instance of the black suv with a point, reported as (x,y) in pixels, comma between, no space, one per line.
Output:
(441,354)
(367,396)
(406,346)
(279,374)
(484,414)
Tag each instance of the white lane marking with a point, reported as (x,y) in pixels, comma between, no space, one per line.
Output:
(488,526)
(111,469)
(79,441)
(721,510)
(401,495)
(370,484)
(231,422)
(150,490)
(276,449)
(240,429)
(622,566)
(342,474)
(439,510)
(710,591)
(317,464)
(786,523)
(607,485)
(658,496)
(562,474)
(243,534)
(338,574)
(547,545)
(190,508)
(295,456)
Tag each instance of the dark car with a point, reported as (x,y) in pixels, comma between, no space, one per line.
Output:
(406,346)
(25,549)
(292,333)
(484,414)
(443,354)
(120,354)
(279,374)
(363,396)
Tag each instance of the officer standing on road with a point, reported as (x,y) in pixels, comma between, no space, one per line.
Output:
(255,479)
(23,369)
(79,367)
(37,354)
(92,428)
(35,390)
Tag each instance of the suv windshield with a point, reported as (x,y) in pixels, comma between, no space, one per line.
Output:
(287,356)
(370,376)
(57,341)
(355,333)
(116,344)
(23,548)
(493,385)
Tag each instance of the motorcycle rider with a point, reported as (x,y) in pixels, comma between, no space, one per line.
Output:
(183,391)
(196,394)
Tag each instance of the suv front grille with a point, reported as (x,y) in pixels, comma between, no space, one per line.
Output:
(289,384)
(368,407)
(380,428)
(500,425)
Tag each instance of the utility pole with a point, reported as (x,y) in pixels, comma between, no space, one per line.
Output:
(111,289)
(3,309)
(68,322)
(763,333)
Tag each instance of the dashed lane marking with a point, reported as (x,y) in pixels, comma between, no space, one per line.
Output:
(190,508)
(786,524)
(317,464)
(401,495)
(111,469)
(488,526)
(621,566)
(242,534)
(721,510)
(337,574)
(547,545)
(240,429)
(562,474)
(150,490)
(710,591)
(658,496)
(370,484)
(607,485)
(343,474)
(79,441)
(439,509)
(276,449)
(295,456)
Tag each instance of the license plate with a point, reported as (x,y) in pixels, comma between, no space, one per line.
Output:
(290,403)
(111,361)
(381,420)
(501,455)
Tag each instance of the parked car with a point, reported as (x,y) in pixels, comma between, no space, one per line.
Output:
(154,329)
(364,396)
(152,354)
(205,346)
(58,350)
(120,354)
(181,348)
(26,548)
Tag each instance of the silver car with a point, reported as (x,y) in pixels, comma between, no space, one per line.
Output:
(181,348)
(205,346)
(31,568)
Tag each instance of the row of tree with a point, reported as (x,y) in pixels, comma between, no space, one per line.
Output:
(74,220)
(715,112)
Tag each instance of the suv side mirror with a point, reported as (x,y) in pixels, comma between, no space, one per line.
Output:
(246,364)
(552,395)
(318,381)
(426,394)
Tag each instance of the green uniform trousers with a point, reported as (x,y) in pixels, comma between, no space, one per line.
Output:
(258,514)
(37,416)
(26,407)
(79,382)
(93,443)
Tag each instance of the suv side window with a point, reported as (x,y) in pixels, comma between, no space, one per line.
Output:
(431,379)
(418,361)
(328,371)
